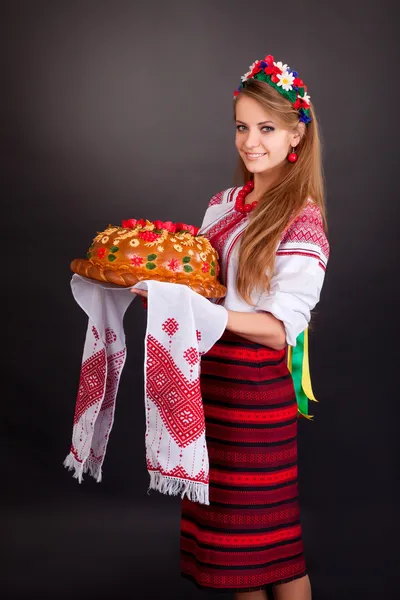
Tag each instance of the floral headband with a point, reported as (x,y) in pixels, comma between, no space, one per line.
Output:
(282,79)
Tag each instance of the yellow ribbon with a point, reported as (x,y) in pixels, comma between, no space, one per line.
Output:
(300,372)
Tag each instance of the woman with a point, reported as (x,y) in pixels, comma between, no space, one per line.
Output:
(273,253)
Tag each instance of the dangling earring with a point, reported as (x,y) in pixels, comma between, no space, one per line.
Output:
(292,156)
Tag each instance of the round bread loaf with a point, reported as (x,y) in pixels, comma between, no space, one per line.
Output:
(143,250)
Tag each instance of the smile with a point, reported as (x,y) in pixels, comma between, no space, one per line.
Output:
(254,156)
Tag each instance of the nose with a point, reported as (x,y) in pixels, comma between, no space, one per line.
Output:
(253,139)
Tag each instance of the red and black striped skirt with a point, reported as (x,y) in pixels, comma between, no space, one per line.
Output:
(249,537)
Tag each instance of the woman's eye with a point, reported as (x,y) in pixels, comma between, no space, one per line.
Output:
(264,129)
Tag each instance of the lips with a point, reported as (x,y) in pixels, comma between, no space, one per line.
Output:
(255,155)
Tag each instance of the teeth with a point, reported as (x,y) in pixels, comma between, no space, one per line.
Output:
(255,155)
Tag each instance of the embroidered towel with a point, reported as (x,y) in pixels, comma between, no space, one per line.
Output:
(181,326)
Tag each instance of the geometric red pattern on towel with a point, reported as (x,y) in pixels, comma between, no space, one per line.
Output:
(115,363)
(91,384)
(179,472)
(178,400)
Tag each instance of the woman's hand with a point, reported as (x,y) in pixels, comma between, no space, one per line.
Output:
(143,294)
(139,292)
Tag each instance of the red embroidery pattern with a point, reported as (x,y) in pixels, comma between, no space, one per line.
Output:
(232,236)
(115,362)
(96,458)
(198,335)
(170,326)
(217,199)
(191,356)
(217,228)
(91,383)
(110,336)
(220,232)
(308,228)
(177,399)
(300,253)
(221,222)
(180,473)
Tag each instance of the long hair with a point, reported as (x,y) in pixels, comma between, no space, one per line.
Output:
(280,204)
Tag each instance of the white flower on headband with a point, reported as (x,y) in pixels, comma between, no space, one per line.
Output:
(247,75)
(306,97)
(281,66)
(286,80)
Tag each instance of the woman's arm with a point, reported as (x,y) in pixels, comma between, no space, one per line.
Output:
(261,327)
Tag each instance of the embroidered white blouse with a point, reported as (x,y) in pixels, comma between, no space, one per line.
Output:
(300,265)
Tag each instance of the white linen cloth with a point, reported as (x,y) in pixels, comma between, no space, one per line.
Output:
(181,326)
(301,260)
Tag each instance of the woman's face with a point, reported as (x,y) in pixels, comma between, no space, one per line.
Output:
(260,142)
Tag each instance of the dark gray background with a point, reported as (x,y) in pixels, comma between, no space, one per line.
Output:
(114,110)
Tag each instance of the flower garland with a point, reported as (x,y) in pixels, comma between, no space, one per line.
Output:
(284,80)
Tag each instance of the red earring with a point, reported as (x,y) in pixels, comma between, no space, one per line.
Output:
(292,156)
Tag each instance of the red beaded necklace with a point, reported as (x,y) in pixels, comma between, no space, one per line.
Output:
(240,206)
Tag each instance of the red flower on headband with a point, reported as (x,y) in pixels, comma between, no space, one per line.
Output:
(256,68)
(273,71)
(300,103)
(298,82)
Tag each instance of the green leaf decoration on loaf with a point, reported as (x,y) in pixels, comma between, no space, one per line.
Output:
(187,268)
(186,259)
(152,257)
(92,246)
(111,257)
(212,263)
(89,254)
(212,272)
(114,249)
(150,265)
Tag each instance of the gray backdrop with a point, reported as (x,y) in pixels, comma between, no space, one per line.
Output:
(114,110)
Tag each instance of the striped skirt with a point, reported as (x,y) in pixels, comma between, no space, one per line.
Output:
(249,536)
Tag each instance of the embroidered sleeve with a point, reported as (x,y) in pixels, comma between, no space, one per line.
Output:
(209,216)
(296,285)
(217,199)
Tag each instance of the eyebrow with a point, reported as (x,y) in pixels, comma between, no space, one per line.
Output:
(262,122)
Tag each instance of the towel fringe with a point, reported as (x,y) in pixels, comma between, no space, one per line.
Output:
(195,491)
(79,468)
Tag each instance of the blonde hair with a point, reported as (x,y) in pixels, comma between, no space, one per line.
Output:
(280,205)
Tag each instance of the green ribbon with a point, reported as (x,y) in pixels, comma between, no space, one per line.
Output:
(297,374)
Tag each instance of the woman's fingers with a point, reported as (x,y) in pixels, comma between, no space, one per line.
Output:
(139,292)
